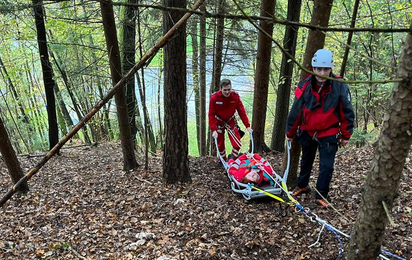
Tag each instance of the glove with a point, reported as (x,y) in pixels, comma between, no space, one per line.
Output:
(214,134)
(342,142)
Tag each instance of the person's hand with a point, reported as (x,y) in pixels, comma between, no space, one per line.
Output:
(249,130)
(214,134)
(289,138)
(342,142)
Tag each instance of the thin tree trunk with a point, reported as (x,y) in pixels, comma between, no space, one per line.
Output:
(175,156)
(285,77)
(195,76)
(129,157)
(139,121)
(349,40)
(47,70)
(260,97)
(217,62)
(150,142)
(220,34)
(10,158)
(387,164)
(128,60)
(202,82)
(22,115)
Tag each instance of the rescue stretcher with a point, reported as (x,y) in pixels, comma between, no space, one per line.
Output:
(248,190)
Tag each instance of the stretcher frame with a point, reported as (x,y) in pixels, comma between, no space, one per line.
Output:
(247,190)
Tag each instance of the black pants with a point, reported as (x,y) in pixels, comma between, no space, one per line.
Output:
(328,147)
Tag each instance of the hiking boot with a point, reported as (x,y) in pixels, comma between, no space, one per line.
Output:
(322,203)
(297,191)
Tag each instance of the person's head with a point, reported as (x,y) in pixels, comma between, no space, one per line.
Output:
(252,176)
(322,64)
(226,87)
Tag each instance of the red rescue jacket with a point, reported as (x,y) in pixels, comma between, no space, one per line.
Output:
(225,108)
(241,166)
(326,113)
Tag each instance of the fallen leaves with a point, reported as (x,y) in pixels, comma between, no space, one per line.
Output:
(90,209)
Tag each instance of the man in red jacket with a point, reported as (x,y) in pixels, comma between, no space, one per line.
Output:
(222,107)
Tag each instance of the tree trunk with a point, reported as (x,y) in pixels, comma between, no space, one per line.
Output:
(315,41)
(202,82)
(159,113)
(128,60)
(387,164)
(175,156)
(10,158)
(129,158)
(349,40)
(260,97)
(22,115)
(47,70)
(220,33)
(316,38)
(285,77)
(150,139)
(217,62)
(195,77)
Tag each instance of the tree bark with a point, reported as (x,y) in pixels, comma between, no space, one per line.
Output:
(349,40)
(260,97)
(10,158)
(316,38)
(47,70)
(128,52)
(175,156)
(202,82)
(22,116)
(220,34)
(129,157)
(285,77)
(195,77)
(387,164)
(217,62)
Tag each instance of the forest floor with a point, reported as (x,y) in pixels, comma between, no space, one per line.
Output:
(83,206)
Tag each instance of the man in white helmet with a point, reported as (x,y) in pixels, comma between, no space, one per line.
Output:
(322,117)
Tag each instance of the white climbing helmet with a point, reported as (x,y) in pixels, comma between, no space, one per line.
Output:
(323,58)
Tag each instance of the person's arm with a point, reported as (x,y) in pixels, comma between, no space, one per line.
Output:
(294,118)
(237,172)
(212,113)
(347,115)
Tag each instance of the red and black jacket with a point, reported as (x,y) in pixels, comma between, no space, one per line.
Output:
(323,113)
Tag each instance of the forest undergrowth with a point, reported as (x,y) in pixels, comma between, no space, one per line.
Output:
(81,205)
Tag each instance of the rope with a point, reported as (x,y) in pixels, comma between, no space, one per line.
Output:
(390,254)
(306,211)
(340,242)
